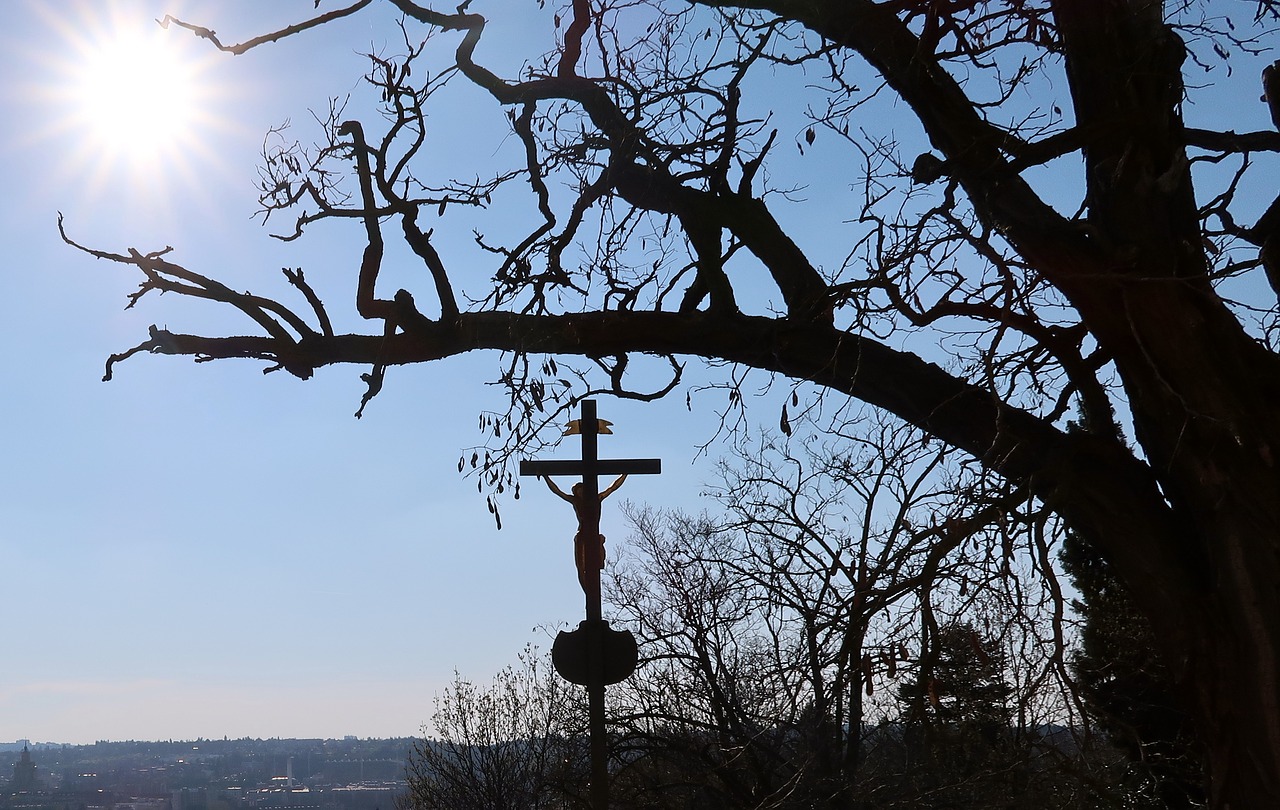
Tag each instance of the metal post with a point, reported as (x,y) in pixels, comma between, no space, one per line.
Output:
(595,652)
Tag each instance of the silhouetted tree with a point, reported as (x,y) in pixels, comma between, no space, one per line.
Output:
(961,684)
(771,636)
(1006,183)
(955,723)
(1127,689)
(517,744)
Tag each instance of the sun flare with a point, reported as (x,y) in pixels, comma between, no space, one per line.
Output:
(138,107)
(136,94)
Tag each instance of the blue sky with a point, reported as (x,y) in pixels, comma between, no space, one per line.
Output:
(199,550)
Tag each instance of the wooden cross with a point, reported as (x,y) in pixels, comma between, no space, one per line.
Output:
(586,503)
(591,467)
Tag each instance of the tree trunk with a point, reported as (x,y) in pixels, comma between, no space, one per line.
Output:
(1232,661)
(1201,394)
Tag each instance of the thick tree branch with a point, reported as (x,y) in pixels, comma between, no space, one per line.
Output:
(1080,474)
(1233,142)
(977,152)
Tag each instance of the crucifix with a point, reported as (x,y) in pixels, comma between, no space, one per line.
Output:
(593,655)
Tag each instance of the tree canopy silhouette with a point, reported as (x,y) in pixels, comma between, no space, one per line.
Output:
(1059,238)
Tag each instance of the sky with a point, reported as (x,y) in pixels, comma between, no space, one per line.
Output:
(201,550)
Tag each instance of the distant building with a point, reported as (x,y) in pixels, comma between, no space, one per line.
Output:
(283,792)
(24,774)
(365,797)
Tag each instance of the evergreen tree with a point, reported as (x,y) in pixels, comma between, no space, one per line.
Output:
(961,684)
(1128,691)
(955,732)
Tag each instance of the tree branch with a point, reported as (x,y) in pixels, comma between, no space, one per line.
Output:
(1080,475)
(274,36)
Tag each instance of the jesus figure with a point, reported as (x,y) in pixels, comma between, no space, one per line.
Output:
(588,551)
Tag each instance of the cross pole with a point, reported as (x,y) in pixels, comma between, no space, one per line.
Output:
(591,467)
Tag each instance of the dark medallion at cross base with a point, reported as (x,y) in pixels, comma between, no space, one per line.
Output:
(594,655)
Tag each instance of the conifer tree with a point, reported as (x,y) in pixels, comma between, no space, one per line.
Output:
(1127,689)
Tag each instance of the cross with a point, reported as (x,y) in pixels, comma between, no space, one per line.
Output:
(587,506)
(591,467)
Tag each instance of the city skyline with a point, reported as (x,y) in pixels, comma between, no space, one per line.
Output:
(244,774)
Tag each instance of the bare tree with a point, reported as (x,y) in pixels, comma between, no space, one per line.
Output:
(1043,231)
(512,745)
(772,639)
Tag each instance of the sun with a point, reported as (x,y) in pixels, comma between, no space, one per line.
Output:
(136,93)
(137,106)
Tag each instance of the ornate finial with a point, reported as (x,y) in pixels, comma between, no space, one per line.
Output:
(602,427)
